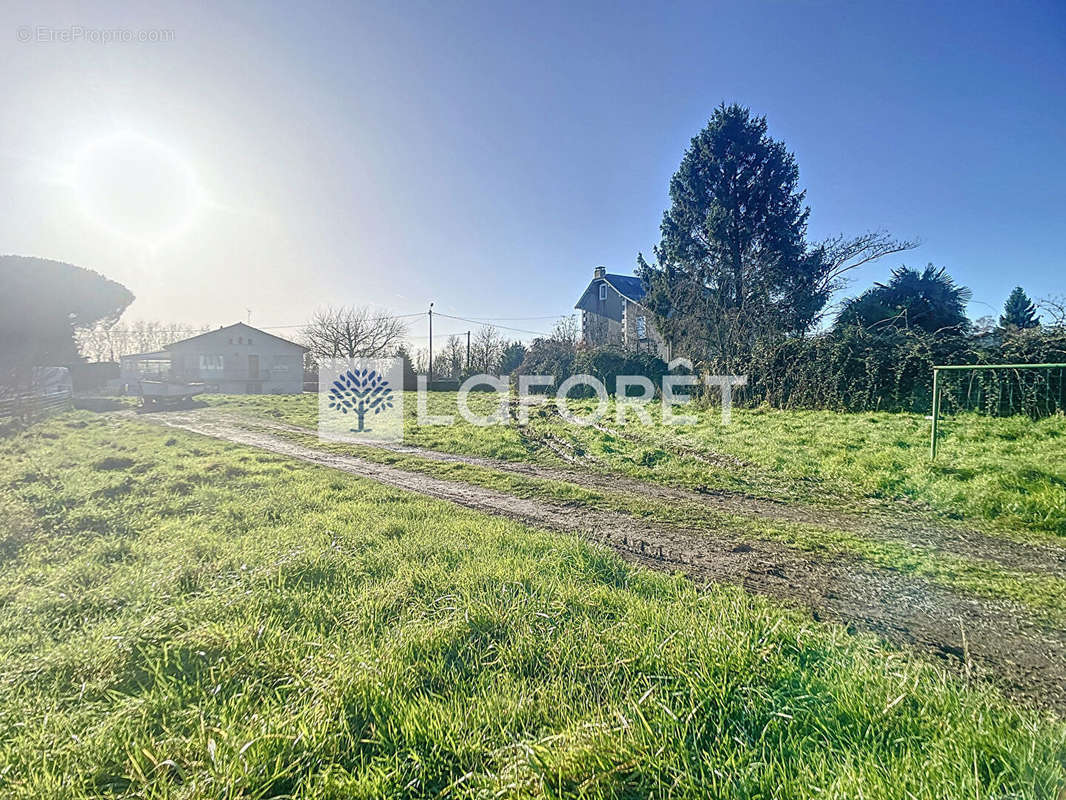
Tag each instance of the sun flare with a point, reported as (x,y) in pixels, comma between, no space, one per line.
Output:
(136,187)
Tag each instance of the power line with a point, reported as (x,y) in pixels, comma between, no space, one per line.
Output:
(505,327)
(522,319)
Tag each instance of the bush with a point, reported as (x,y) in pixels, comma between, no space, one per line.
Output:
(856,369)
(853,369)
(548,357)
(607,364)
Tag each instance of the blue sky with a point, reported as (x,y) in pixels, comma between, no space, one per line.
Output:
(487,156)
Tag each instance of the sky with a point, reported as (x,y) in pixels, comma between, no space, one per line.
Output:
(231,161)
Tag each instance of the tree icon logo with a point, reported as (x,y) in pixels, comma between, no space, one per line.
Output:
(360,392)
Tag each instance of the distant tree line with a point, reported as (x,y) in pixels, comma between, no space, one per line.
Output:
(109,340)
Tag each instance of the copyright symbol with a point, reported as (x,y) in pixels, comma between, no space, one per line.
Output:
(25,33)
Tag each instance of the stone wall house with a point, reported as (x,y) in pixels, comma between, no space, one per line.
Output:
(612,315)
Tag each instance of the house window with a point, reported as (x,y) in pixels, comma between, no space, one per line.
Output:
(210,363)
(642,327)
(603,291)
(281,364)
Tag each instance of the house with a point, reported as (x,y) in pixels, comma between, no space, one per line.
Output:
(612,315)
(237,359)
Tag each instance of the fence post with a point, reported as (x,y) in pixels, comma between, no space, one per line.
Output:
(936,413)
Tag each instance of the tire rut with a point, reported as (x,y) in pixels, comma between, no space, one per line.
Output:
(902,525)
(993,640)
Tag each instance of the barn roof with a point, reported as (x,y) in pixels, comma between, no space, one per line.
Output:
(240,327)
(153,356)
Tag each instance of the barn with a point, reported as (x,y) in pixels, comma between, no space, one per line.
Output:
(236,359)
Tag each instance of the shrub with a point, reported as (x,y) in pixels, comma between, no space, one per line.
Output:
(856,369)
(607,364)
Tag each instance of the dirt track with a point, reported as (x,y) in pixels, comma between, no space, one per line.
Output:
(901,524)
(993,639)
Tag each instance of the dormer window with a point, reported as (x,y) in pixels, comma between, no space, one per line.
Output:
(603,291)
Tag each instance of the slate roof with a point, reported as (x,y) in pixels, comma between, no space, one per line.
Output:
(627,285)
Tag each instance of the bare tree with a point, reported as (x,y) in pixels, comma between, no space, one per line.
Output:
(1054,309)
(841,255)
(353,332)
(420,361)
(452,358)
(566,331)
(486,350)
(97,343)
(108,340)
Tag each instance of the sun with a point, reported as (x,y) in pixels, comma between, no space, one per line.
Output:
(136,188)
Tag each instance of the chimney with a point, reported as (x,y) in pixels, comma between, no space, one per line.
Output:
(599,272)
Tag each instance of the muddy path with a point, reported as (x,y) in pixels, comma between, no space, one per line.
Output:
(902,524)
(990,640)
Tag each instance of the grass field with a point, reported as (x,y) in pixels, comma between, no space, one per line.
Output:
(186,618)
(1008,473)
(1043,595)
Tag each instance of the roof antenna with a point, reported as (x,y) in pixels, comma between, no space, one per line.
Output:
(249,315)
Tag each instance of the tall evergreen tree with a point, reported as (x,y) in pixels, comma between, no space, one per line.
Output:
(733,237)
(1019,312)
(733,265)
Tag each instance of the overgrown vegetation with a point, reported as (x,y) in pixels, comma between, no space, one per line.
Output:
(208,621)
(733,266)
(736,288)
(858,369)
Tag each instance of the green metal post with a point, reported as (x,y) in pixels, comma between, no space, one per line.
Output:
(936,413)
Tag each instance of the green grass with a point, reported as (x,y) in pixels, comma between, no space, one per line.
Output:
(1043,595)
(1006,473)
(184,618)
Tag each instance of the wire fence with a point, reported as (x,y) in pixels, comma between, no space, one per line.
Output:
(29,406)
(1002,390)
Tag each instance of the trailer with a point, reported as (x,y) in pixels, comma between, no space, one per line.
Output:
(169,393)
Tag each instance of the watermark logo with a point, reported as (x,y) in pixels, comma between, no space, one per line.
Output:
(361,400)
(75,34)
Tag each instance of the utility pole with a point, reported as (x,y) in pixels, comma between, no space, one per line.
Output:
(468,351)
(430,344)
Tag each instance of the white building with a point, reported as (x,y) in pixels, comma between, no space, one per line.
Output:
(237,359)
